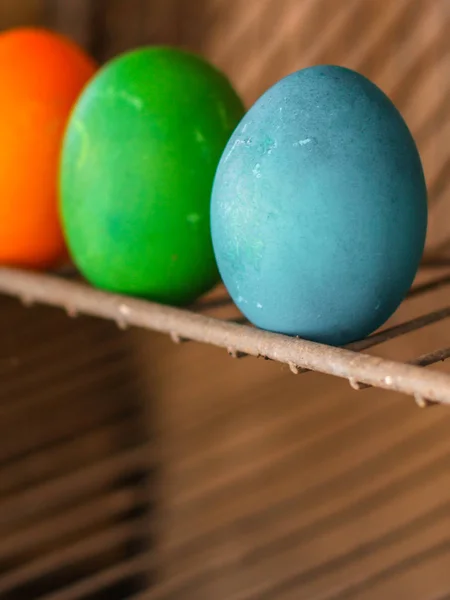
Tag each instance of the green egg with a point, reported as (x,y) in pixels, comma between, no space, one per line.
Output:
(137,168)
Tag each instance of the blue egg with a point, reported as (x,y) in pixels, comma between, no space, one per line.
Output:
(319,208)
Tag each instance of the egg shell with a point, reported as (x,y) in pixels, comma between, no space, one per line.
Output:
(42,74)
(137,168)
(319,208)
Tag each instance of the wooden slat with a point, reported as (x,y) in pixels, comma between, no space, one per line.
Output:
(42,464)
(86,548)
(76,484)
(104,578)
(98,510)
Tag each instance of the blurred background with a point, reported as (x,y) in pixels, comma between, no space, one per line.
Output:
(131,467)
(403,46)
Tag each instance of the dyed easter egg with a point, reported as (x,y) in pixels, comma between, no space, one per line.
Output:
(41,75)
(319,208)
(137,168)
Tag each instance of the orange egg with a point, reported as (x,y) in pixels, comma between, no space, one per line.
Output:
(41,75)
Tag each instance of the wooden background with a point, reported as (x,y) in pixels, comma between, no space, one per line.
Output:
(259,485)
(403,45)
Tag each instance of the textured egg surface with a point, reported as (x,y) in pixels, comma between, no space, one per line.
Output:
(41,75)
(319,208)
(138,163)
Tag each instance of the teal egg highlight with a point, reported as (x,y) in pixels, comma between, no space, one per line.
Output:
(319,208)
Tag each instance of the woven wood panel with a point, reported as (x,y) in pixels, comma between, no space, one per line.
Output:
(275,486)
(75,465)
